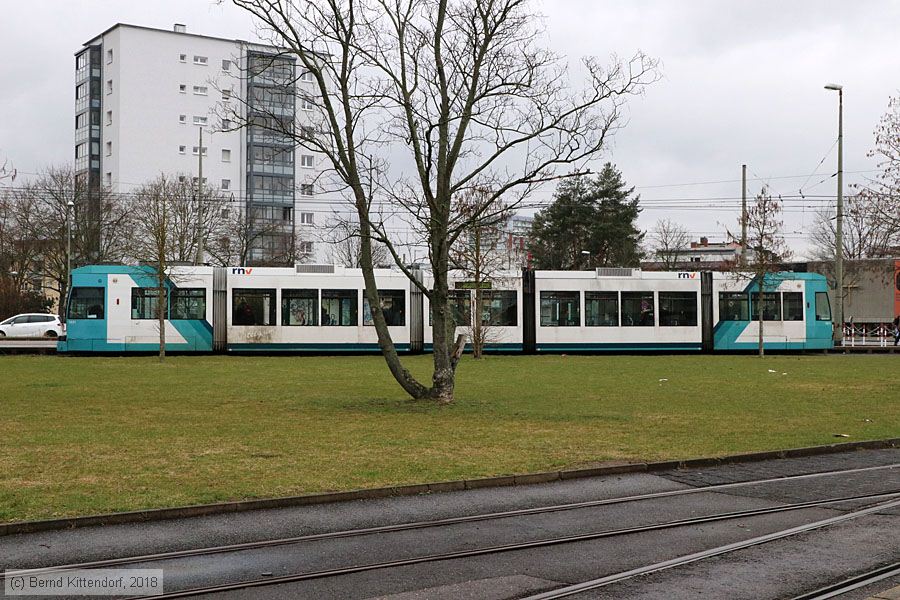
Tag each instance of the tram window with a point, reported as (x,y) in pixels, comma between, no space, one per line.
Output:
(339,308)
(678,309)
(771,306)
(793,306)
(86,303)
(251,306)
(460,307)
(823,307)
(187,303)
(498,308)
(300,307)
(144,303)
(393,306)
(637,309)
(734,306)
(560,309)
(601,309)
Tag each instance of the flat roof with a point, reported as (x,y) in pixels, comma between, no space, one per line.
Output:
(197,35)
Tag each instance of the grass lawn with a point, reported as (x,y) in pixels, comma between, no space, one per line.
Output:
(90,435)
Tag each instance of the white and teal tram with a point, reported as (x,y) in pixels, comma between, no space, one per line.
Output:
(323,309)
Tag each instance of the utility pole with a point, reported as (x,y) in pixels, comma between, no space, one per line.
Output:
(839,225)
(743,212)
(199,259)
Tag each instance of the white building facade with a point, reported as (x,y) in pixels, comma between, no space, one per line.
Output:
(143,96)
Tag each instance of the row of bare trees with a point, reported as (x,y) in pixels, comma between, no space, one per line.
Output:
(169,220)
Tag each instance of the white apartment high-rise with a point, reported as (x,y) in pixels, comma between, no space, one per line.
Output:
(142,96)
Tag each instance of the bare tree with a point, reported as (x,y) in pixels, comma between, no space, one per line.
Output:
(171,219)
(479,256)
(769,250)
(670,240)
(153,242)
(461,87)
(882,194)
(41,211)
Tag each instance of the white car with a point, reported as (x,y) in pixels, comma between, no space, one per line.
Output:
(32,325)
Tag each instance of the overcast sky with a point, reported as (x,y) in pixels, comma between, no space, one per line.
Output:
(742,83)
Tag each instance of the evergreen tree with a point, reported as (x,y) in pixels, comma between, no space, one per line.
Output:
(593,215)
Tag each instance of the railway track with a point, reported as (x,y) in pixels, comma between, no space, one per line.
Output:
(194,552)
(572,590)
(852,583)
(546,542)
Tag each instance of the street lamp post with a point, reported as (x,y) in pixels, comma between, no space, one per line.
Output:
(69,206)
(839,225)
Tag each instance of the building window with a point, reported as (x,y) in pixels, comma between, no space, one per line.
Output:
(306,160)
(109,179)
(306,76)
(182,119)
(197,150)
(187,304)
(637,309)
(200,120)
(226,155)
(109,86)
(252,306)
(226,123)
(109,117)
(793,306)
(678,309)
(299,308)
(181,149)
(194,180)
(306,218)
(109,55)
(560,309)
(771,306)
(393,307)
(182,88)
(200,90)
(287,214)
(145,303)
(81,91)
(200,60)
(306,104)
(182,57)
(80,120)
(601,309)
(339,308)
(81,61)
(306,189)
(86,303)
(226,65)
(734,306)
(109,148)
(226,94)
(226,184)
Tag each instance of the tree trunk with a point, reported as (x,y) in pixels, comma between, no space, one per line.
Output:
(443,327)
(478,331)
(161,302)
(409,384)
(759,314)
